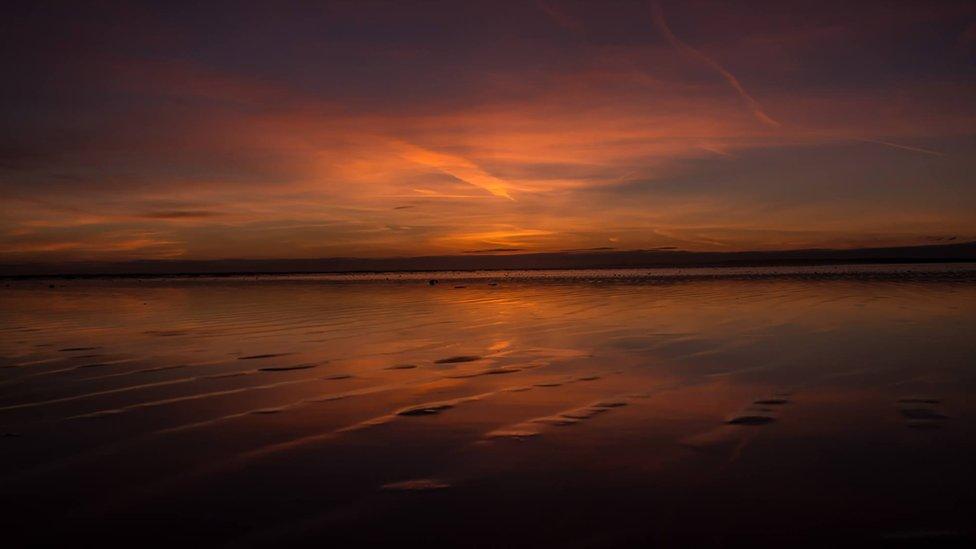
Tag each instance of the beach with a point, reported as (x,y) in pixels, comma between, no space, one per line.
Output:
(618,408)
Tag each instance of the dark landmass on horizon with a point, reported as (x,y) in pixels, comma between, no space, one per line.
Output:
(961,252)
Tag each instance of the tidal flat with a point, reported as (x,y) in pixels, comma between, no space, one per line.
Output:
(696,407)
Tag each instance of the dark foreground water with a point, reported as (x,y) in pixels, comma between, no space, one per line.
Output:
(591,409)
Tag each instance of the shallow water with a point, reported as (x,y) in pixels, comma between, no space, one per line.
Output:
(682,408)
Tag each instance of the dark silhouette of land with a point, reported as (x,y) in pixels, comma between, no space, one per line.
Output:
(584,259)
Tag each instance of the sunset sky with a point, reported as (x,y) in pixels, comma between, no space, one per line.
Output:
(311,129)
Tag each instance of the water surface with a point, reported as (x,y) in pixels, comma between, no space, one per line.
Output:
(596,409)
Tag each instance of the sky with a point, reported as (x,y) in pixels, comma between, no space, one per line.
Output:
(209,130)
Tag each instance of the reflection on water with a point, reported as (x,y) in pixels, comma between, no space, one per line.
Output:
(591,410)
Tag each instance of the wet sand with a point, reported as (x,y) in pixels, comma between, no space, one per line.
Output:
(592,409)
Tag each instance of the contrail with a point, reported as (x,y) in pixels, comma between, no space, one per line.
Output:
(560,18)
(754,106)
(903,147)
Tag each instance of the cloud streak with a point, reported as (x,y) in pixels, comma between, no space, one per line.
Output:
(459,167)
(661,23)
(904,147)
(559,17)
(180,214)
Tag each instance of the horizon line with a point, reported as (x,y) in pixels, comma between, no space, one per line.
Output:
(568,259)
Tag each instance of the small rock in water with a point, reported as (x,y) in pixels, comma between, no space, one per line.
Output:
(417,485)
(287,368)
(919,400)
(402,367)
(460,286)
(337,377)
(465,375)
(221,376)
(922,413)
(610,404)
(560,421)
(456,359)
(584,413)
(771,401)
(425,410)
(497,371)
(432,282)
(267,355)
(751,420)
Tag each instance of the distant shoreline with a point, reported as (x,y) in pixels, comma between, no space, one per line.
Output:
(601,260)
(827,271)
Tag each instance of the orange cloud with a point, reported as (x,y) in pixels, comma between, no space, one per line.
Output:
(378,149)
(458,167)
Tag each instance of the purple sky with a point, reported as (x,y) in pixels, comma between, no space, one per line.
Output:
(307,129)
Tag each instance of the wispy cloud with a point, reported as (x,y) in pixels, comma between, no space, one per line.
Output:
(754,106)
(379,140)
(559,16)
(459,167)
(179,214)
(903,147)
(493,250)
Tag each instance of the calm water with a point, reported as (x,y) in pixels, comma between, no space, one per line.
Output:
(613,409)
